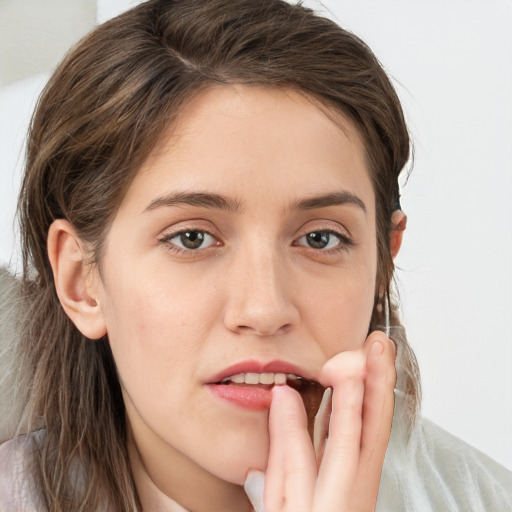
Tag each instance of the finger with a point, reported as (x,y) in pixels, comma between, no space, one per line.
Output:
(345,373)
(291,470)
(274,483)
(378,406)
(321,426)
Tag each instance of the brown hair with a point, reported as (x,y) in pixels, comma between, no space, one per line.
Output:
(97,120)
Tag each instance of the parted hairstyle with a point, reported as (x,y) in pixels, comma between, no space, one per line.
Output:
(99,117)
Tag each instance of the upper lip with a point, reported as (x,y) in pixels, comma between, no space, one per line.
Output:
(254,366)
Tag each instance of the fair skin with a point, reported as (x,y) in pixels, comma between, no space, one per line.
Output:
(279,265)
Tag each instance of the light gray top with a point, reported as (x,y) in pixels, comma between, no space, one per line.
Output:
(433,472)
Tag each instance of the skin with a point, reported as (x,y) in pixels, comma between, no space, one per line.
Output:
(255,289)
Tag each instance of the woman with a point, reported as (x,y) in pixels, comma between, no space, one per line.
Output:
(210,213)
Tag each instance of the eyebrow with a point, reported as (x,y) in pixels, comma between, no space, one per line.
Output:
(220,202)
(201,199)
(331,199)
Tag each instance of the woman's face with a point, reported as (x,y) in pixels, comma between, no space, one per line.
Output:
(247,238)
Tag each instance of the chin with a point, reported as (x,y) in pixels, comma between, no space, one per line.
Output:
(243,450)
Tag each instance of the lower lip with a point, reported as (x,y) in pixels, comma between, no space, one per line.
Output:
(254,397)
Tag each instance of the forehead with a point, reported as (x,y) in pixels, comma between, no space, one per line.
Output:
(255,143)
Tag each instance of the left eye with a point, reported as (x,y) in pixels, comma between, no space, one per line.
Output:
(192,239)
(320,240)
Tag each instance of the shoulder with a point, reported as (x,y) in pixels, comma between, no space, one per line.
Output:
(17,475)
(433,470)
(11,310)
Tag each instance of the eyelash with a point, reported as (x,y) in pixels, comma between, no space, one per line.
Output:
(344,241)
(172,247)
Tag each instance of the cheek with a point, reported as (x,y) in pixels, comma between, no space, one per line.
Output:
(338,314)
(156,324)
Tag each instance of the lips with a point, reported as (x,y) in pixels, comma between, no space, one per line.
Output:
(248,385)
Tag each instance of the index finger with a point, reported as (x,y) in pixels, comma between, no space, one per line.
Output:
(291,471)
(345,374)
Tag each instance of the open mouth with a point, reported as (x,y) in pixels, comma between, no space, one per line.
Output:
(253,391)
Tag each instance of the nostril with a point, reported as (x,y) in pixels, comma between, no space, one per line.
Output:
(268,330)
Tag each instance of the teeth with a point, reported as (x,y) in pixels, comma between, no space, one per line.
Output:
(261,378)
(280,378)
(265,378)
(252,378)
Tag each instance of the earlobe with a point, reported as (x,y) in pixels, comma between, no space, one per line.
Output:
(399,223)
(74,279)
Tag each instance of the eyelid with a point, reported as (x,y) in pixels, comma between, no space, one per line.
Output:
(325,225)
(194,224)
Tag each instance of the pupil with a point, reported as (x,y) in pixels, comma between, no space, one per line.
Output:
(318,240)
(192,239)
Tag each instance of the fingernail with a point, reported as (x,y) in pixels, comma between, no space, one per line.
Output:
(254,486)
(377,349)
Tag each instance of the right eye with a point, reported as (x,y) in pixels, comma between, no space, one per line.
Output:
(189,240)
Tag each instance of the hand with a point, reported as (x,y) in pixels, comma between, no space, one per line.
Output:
(344,475)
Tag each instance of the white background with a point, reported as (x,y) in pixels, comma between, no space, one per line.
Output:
(452,65)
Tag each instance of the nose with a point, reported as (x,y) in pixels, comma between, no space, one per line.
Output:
(261,297)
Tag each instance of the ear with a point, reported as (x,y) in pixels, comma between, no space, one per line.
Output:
(399,222)
(74,279)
